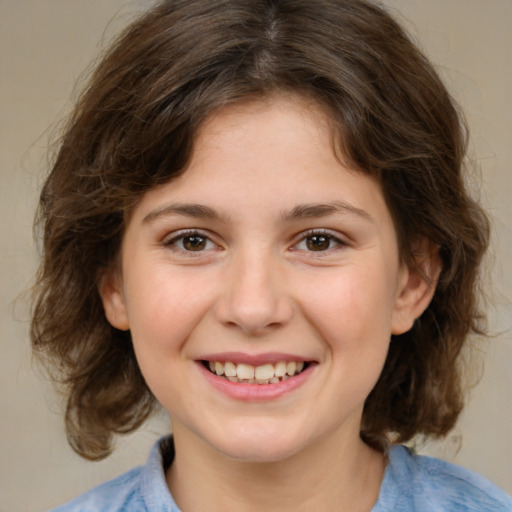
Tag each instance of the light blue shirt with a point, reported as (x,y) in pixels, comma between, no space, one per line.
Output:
(412,483)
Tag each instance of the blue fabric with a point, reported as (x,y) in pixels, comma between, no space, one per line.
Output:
(142,489)
(415,483)
(411,483)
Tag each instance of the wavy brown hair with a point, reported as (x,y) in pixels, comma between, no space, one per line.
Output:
(133,129)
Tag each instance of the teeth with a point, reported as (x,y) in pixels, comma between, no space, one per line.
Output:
(280,369)
(263,374)
(290,368)
(230,369)
(219,368)
(245,371)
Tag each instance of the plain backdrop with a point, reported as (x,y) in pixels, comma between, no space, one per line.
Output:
(44,47)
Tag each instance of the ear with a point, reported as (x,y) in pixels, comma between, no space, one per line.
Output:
(111,292)
(417,286)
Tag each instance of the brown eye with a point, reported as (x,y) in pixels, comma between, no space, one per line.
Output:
(194,242)
(318,242)
(191,242)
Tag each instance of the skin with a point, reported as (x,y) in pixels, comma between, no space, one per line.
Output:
(268,275)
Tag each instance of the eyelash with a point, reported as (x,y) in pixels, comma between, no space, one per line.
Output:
(319,233)
(302,238)
(182,235)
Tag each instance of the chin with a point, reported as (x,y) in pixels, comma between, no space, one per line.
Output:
(253,445)
(258,454)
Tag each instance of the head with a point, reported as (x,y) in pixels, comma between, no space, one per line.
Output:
(135,128)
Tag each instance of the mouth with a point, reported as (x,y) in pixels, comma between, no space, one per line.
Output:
(270,373)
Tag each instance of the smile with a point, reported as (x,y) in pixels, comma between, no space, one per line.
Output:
(263,374)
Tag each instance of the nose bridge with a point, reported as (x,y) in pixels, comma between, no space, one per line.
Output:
(255,297)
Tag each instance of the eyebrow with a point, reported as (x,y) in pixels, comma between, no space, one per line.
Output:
(314,210)
(196,211)
(302,211)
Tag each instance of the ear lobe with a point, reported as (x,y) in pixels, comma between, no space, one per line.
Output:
(417,286)
(111,293)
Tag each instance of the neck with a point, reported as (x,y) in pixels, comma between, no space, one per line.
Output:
(342,476)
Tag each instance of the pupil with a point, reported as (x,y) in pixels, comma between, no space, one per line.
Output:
(194,243)
(318,243)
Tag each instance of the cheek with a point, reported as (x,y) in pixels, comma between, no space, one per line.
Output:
(163,316)
(164,309)
(352,306)
(355,324)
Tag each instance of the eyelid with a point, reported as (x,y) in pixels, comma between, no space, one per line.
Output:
(170,240)
(334,236)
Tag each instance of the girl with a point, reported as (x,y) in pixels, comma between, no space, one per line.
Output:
(258,219)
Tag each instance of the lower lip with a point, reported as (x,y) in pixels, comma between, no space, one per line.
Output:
(256,392)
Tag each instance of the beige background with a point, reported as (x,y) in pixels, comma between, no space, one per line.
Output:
(44,46)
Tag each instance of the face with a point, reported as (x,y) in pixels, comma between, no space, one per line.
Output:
(261,287)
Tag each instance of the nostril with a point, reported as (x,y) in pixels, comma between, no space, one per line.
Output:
(254,302)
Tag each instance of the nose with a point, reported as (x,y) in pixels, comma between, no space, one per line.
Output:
(254,298)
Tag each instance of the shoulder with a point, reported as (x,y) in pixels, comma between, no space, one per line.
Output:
(138,490)
(420,483)
(121,493)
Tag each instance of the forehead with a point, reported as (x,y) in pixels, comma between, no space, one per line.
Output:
(268,157)
(279,119)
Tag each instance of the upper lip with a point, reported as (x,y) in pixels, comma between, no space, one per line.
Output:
(253,359)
